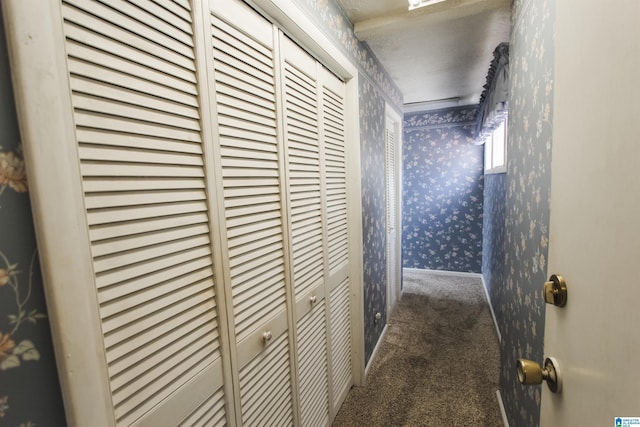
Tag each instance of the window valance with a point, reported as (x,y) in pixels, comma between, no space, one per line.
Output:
(493,102)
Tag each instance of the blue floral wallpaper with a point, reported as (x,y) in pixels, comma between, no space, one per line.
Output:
(493,230)
(372,151)
(29,389)
(442,191)
(519,299)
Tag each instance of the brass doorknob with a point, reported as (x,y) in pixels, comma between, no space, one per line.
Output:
(531,373)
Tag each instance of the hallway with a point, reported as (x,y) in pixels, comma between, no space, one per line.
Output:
(438,362)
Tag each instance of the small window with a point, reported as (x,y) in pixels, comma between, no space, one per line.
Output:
(495,150)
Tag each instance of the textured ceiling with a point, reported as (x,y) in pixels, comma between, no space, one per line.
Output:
(438,55)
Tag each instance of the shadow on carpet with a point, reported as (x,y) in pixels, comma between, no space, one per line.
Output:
(438,364)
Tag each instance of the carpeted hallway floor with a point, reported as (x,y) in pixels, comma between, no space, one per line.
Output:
(438,364)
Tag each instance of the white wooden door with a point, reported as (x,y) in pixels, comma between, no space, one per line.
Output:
(595,206)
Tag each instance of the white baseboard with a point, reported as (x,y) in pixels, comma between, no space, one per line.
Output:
(493,314)
(505,421)
(375,351)
(444,272)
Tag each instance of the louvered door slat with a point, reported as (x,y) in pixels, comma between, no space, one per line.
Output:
(110,231)
(131,58)
(135,99)
(109,25)
(260,48)
(255,386)
(179,8)
(112,93)
(303,166)
(122,328)
(87,61)
(114,139)
(333,121)
(339,307)
(139,379)
(123,274)
(127,355)
(101,153)
(209,414)
(157,18)
(102,105)
(125,125)
(142,401)
(123,185)
(150,280)
(312,350)
(245,92)
(144,212)
(98,201)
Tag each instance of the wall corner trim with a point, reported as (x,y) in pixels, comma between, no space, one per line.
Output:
(374,354)
(493,314)
(505,420)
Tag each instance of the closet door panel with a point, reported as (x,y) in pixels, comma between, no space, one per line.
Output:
(245,96)
(134,94)
(301,129)
(306,221)
(251,159)
(337,256)
(340,332)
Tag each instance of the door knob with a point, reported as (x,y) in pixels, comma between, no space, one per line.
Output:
(531,373)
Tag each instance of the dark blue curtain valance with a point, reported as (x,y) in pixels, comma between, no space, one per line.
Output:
(493,102)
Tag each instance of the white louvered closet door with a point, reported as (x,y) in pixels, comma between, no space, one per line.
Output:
(333,140)
(306,221)
(137,113)
(391,208)
(251,158)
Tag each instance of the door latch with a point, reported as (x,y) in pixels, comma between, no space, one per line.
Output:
(555,291)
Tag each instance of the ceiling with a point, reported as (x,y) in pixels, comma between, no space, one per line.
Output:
(438,55)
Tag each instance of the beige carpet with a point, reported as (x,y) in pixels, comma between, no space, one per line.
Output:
(439,363)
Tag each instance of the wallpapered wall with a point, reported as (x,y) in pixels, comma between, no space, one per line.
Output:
(29,389)
(518,299)
(374,234)
(375,87)
(493,230)
(442,191)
